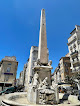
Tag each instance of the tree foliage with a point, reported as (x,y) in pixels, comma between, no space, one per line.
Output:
(71,79)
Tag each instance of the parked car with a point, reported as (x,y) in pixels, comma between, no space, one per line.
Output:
(75,92)
(20,88)
(8,90)
(64,88)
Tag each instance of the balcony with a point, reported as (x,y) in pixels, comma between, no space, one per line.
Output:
(72,39)
(75,61)
(78,42)
(74,53)
(76,69)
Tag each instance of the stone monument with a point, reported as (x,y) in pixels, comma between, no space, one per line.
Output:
(40,90)
(43,67)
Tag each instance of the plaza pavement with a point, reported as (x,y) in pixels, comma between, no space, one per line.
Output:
(1,97)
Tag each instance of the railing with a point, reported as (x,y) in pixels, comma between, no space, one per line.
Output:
(77,69)
(73,53)
(75,61)
(78,41)
(72,39)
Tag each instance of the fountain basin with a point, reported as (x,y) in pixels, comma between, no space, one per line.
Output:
(20,99)
(12,99)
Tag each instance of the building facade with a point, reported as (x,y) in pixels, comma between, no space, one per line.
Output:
(24,74)
(56,76)
(62,70)
(74,49)
(30,64)
(8,70)
(17,82)
(65,68)
(21,77)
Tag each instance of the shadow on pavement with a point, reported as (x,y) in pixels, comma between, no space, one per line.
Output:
(65,97)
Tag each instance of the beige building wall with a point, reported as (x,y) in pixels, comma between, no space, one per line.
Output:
(21,78)
(30,64)
(8,70)
(56,76)
(65,68)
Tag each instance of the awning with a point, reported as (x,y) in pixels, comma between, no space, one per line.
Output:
(5,84)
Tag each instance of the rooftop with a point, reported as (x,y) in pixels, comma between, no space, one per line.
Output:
(73,31)
(8,58)
(77,27)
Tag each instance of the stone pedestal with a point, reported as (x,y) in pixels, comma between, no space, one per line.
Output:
(57,94)
(43,72)
(46,96)
(32,95)
(55,88)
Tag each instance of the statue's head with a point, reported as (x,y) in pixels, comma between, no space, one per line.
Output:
(46,78)
(36,75)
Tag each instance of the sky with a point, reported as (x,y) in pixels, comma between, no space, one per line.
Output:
(20,25)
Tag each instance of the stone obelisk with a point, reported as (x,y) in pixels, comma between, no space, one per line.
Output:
(43,67)
(42,51)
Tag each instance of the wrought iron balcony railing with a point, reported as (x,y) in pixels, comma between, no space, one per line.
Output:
(74,53)
(77,69)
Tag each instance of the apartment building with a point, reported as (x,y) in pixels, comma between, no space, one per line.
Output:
(62,70)
(8,70)
(74,49)
(30,64)
(65,67)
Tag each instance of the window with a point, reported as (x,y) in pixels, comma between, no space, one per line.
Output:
(6,78)
(73,59)
(71,48)
(66,70)
(77,57)
(34,58)
(33,63)
(8,69)
(61,71)
(65,64)
(74,46)
(74,37)
(9,64)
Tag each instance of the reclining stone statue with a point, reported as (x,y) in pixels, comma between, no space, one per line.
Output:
(44,84)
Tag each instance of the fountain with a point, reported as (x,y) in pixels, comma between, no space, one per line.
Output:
(39,89)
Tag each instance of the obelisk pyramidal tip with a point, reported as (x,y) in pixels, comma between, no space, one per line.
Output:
(42,52)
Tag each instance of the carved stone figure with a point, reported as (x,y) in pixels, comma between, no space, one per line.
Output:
(54,85)
(37,63)
(35,81)
(55,88)
(49,63)
(44,84)
(78,84)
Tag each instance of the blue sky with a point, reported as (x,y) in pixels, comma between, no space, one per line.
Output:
(20,24)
